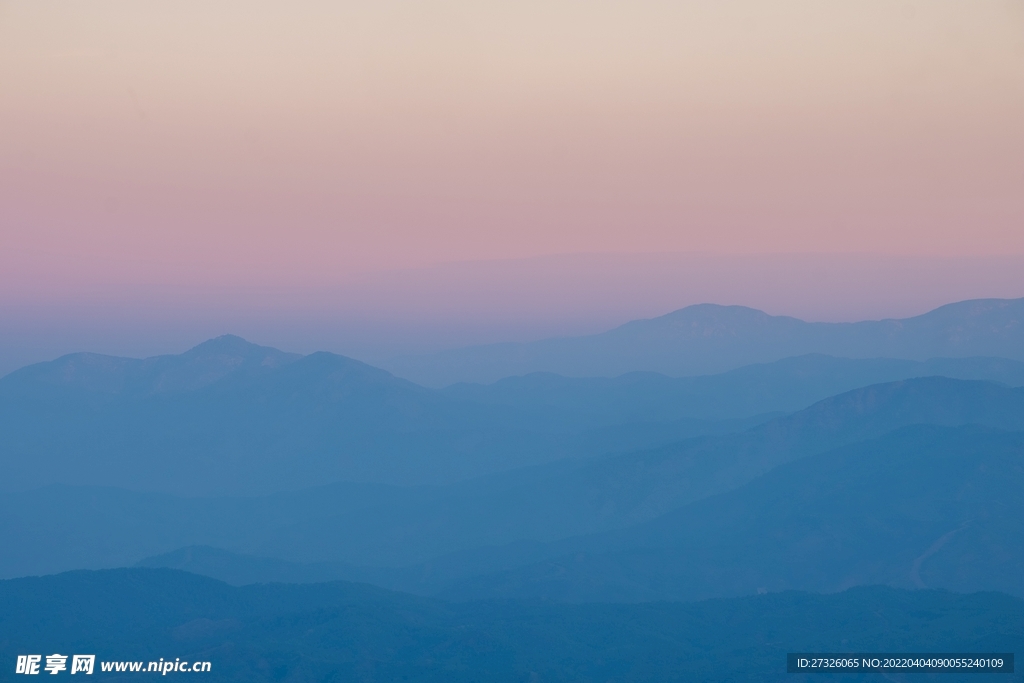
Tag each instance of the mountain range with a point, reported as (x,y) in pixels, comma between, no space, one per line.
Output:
(808,472)
(707,339)
(254,420)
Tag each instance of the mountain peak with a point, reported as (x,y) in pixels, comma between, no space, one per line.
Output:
(703,323)
(231,344)
(713,313)
(212,360)
(200,366)
(224,340)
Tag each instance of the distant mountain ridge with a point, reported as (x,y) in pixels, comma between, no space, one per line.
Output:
(246,417)
(924,506)
(373,525)
(254,419)
(785,385)
(708,338)
(198,367)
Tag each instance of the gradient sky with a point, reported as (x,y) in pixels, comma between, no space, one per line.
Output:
(185,147)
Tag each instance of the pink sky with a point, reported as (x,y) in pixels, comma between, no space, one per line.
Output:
(191,147)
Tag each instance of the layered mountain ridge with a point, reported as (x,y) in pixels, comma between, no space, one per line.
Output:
(809,472)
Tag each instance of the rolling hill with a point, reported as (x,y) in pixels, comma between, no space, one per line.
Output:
(341,631)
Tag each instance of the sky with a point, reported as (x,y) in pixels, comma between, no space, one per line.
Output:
(355,175)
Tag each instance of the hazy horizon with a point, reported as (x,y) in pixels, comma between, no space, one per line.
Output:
(378,316)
